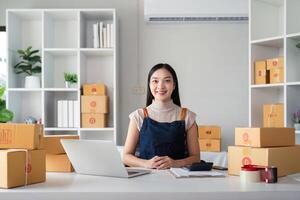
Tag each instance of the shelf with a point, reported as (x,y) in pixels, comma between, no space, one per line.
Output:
(97,129)
(25,89)
(60,129)
(267,19)
(51,98)
(61,132)
(56,63)
(25,104)
(293,102)
(61,51)
(62,89)
(268,85)
(87,19)
(297,132)
(293,59)
(270,42)
(292,14)
(97,51)
(261,96)
(61,29)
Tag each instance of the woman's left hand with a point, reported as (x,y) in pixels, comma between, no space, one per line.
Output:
(165,163)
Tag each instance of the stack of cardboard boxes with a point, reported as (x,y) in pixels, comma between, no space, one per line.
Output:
(94,106)
(269,71)
(264,147)
(56,157)
(22,157)
(209,138)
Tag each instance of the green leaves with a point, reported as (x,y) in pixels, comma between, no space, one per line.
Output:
(29,63)
(5,115)
(72,78)
(298,45)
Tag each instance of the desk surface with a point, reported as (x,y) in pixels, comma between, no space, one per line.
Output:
(157,185)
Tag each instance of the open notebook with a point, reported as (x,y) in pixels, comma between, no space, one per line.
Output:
(185,173)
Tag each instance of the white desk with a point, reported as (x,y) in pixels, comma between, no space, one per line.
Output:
(155,186)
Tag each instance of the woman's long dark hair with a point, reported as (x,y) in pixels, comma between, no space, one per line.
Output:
(175,93)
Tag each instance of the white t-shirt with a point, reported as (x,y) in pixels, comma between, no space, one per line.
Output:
(163,112)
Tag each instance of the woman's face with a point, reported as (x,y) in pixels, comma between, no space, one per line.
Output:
(162,85)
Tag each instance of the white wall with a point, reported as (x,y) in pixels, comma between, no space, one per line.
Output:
(210,61)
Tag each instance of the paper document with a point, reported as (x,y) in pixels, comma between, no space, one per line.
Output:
(184,172)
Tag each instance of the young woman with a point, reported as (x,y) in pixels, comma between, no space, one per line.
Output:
(164,133)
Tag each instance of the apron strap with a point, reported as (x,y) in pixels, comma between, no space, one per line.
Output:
(183,114)
(145,112)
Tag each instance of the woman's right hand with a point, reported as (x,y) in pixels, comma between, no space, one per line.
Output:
(151,163)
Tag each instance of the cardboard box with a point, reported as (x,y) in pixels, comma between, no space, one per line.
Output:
(277,62)
(279,157)
(94,104)
(23,136)
(262,75)
(265,137)
(276,75)
(13,167)
(52,143)
(273,115)
(94,89)
(209,132)
(213,145)
(58,163)
(91,120)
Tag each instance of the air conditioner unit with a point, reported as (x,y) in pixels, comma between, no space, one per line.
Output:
(196,11)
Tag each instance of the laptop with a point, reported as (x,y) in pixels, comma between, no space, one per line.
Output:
(98,157)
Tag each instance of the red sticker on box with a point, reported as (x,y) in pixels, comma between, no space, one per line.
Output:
(208,144)
(93,104)
(94,90)
(245,137)
(92,120)
(246,161)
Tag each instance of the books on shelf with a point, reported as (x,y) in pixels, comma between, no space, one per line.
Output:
(68,113)
(102,35)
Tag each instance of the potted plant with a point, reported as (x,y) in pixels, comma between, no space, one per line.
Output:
(30,65)
(296,120)
(70,80)
(5,115)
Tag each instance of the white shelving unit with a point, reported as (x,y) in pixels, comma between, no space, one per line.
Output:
(274,31)
(65,40)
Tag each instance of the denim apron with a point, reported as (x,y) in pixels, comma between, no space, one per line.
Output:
(163,138)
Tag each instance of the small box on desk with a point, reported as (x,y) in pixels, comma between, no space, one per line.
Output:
(284,158)
(52,143)
(209,132)
(212,145)
(16,163)
(23,136)
(265,137)
(58,163)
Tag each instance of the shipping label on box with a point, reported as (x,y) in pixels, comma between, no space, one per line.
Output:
(277,62)
(276,75)
(279,157)
(94,89)
(209,132)
(265,137)
(53,145)
(58,163)
(91,120)
(26,136)
(213,145)
(262,75)
(273,115)
(94,104)
(16,163)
